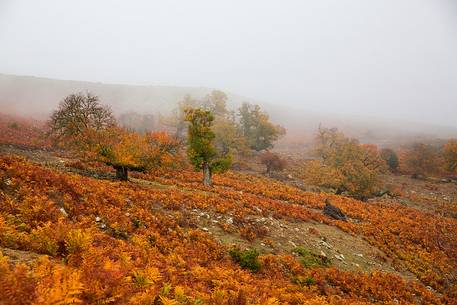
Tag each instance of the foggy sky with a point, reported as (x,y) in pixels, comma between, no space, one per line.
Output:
(383,58)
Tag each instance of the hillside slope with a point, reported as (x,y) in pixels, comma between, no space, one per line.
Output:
(37,97)
(69,232)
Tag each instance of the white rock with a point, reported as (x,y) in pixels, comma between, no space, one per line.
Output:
(205,229)
(98,219)
(229,220)
(325,244)
(340,257)
(64,213)
(258,209)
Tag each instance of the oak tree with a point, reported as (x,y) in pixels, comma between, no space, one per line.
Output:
(391,159)
(259,132)
(421,159)
(345,164)
(450,155)
(201,150)
(77,113)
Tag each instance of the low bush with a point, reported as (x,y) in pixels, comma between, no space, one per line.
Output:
(247,259)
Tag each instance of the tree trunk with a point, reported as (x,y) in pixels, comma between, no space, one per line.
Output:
(268,170)
(122,173)
(206,175)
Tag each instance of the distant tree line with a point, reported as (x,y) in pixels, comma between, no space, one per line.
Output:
(214,133)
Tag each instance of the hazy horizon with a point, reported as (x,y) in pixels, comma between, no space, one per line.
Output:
(383,59)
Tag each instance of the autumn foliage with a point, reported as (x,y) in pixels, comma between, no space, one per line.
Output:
(86,240)
(126,249)
(345,165)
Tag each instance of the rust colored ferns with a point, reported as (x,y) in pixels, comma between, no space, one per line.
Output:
(103,241)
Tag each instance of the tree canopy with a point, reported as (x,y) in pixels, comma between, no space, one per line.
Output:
(201,150)
(79,112)
(345,164)
(450,155)
(259,132)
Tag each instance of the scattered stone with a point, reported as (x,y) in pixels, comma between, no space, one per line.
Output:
(325,244)
(214,221)
(229,220)
(339,257)
(322,254)
(293,244)
(127,214)
(205,229)
(359,254)
(334,212)
(98,219)
(8,181)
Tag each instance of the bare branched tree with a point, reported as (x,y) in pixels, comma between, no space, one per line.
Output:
(79,112)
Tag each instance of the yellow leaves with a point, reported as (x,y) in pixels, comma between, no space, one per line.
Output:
(167,301)
(42,282)
(272,301)
(77,241)
(180,294)
(62,287)
(147,276)
(450,155)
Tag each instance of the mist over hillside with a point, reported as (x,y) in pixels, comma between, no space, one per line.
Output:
(37,97)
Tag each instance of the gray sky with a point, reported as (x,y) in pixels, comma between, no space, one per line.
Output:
(385,58)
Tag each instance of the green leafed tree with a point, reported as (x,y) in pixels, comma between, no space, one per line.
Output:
(259,132)
(391,159)
(201,150)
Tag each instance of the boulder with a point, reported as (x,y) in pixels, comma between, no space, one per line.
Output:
(334,212)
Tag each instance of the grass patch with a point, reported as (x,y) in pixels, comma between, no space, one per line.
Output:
(247,259)
(311,260)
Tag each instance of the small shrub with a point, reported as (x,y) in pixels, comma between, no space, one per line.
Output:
(14,125)
(304,281)
(311,260)
(77,240)
(247,259)
(47,239)
(147,276)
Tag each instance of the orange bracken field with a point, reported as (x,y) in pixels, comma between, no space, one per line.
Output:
(82,239)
